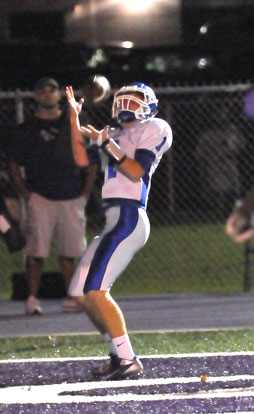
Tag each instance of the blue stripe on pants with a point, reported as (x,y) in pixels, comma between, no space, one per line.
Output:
(126,224)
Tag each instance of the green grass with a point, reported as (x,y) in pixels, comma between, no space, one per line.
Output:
(195,258)
(151,343)
(185,259)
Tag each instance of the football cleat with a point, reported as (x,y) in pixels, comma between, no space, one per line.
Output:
(124,368)
(106,367)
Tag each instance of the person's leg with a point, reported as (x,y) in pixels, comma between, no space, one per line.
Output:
(114,322)
(70,238)
(113,254)
(91,310)
(67,267)
(108,318)
(38,230)
(123,362)
(126,231)
(34,266)
(76,293)
(94,315)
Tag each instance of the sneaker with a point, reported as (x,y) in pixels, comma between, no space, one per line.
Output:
(32,306)
(106,367)
(70,305)
(124,369)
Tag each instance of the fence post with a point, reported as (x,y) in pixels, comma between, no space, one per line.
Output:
(19,105)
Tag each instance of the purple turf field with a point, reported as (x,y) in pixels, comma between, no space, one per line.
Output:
(175,384)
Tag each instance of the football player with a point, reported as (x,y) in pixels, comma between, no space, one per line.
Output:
(129,155)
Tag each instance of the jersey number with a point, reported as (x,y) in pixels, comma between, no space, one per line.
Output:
(111,171)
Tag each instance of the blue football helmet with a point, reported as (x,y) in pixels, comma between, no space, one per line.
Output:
(127,107)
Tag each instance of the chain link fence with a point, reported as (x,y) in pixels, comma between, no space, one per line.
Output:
(193,190)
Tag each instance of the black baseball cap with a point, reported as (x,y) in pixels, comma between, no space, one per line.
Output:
(46,81)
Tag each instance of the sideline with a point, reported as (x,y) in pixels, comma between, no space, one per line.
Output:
(143,314)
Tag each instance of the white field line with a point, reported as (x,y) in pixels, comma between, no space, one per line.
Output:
(155,356)
(50,393)
(96,385)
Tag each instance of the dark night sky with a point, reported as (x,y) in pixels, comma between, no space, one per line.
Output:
(52,42)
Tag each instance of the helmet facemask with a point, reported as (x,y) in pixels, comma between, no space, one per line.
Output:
(133,102)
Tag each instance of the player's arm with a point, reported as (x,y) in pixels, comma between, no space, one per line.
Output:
(78,148)
(18,180)
(130,167)
(151,146)
(239,225)
(90,180)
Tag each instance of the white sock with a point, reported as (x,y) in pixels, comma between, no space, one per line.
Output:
(107,338)
(123,347)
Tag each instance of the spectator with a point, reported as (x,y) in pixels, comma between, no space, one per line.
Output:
(217,155)
(240,223)
(55,190)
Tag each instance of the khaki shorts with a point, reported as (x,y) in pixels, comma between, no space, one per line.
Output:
(62,220)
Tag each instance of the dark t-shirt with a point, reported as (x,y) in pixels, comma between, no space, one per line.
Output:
(43,148)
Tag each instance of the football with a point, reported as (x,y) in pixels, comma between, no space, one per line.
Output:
(96,89)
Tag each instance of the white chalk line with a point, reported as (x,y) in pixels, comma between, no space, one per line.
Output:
(36,394)
(152,356)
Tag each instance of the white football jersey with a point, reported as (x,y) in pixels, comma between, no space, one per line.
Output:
(153,135)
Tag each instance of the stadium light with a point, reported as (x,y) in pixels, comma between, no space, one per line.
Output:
(137,6)
(127,44)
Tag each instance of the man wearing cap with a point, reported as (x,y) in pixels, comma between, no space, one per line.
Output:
(54,189)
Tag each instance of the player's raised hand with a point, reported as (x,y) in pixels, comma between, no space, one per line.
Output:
(74,106)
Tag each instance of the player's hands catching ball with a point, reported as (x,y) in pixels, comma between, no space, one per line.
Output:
(75,109)
(74,106)
(92,133)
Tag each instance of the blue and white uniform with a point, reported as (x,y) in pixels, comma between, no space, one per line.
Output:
(127,226)
(144,141)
